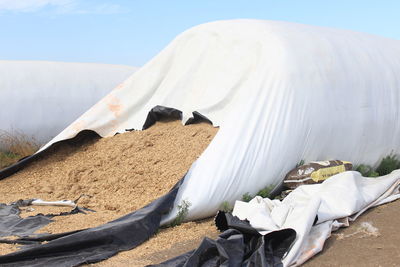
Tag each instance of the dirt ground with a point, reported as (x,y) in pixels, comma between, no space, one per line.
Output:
(351,247)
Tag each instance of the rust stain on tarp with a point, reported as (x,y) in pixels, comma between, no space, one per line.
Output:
(114,105)
(78,125)
(119,86)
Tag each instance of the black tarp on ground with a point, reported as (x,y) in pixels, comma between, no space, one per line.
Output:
(95,244)
(239,245)
(11,224)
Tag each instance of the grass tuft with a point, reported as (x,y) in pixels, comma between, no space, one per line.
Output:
(247,197)
(15,146)
(366,171)
(388,164)
(226,207)
(265,192)
(183,210)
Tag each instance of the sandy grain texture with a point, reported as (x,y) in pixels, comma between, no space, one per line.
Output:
(7,248)
(168,243)
(120,173)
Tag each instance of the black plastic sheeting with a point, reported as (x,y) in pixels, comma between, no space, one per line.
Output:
(240,245)
(95,244)
(11,224)
(160,112)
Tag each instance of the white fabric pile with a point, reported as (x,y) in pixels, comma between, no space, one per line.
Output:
(337,200)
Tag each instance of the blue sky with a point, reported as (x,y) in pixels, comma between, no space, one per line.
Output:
(132,32)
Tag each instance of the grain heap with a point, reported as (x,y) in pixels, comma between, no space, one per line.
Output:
(120,174)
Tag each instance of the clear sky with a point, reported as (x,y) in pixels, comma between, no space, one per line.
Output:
(131,31)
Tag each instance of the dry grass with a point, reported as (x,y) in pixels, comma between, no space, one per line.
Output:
(14,146)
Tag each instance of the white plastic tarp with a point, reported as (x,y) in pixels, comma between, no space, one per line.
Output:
(332,202)
(280,92)
(40,98)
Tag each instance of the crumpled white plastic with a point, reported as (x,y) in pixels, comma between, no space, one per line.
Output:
(338,200)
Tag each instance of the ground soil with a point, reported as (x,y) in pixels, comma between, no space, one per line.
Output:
(351,247)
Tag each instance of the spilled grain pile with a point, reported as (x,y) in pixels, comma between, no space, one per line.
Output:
(166,244)
(116,175)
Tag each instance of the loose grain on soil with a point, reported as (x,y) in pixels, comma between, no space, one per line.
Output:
(116,175)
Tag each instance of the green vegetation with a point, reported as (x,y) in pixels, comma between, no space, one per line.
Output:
(300,163)
(265,192)
(386,166)
(226,207)
(247,197)
(366,171)
(183,210)
(8,158)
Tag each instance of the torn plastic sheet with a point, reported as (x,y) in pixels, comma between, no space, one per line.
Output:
(93,244)
(239,245)
(314,211)
(11,224)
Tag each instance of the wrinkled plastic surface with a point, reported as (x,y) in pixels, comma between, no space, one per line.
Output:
(11,224)
(40,98)
(239,245)
(280,92)
(342,196)
(93,244)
